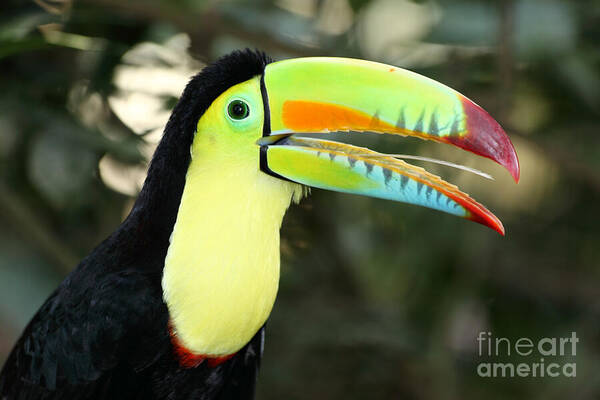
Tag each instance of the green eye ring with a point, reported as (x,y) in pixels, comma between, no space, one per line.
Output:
(238,110)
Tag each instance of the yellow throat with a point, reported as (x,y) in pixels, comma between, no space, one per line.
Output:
(221,272)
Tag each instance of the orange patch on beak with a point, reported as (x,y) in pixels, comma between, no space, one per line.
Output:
(309,116)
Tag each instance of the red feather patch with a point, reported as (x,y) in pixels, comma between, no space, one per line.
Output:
(187,359)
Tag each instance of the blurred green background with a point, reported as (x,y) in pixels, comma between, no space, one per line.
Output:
(378,300)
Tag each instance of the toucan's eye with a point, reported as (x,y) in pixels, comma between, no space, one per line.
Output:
(238,109)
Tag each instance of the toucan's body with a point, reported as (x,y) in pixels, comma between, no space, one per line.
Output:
(173,304)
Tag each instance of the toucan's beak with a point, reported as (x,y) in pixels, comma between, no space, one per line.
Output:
(317,95)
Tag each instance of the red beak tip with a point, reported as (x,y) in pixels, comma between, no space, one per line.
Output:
(486,137)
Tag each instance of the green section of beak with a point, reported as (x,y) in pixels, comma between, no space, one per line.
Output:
(397,97)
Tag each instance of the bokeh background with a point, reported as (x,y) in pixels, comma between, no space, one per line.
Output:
(378,300)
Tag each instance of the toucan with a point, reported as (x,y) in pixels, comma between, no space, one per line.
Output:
(173,304)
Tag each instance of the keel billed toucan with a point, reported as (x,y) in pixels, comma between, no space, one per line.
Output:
(173,304)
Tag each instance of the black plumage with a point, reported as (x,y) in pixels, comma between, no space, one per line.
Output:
(103,334)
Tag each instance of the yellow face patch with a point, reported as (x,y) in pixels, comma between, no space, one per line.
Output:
(223,133)
(221,272)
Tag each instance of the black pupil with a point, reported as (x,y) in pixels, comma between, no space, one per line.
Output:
(238,109)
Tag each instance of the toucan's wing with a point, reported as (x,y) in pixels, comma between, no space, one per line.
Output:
(82,341)
(107,338)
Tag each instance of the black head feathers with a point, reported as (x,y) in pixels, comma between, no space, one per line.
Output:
(206,86)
